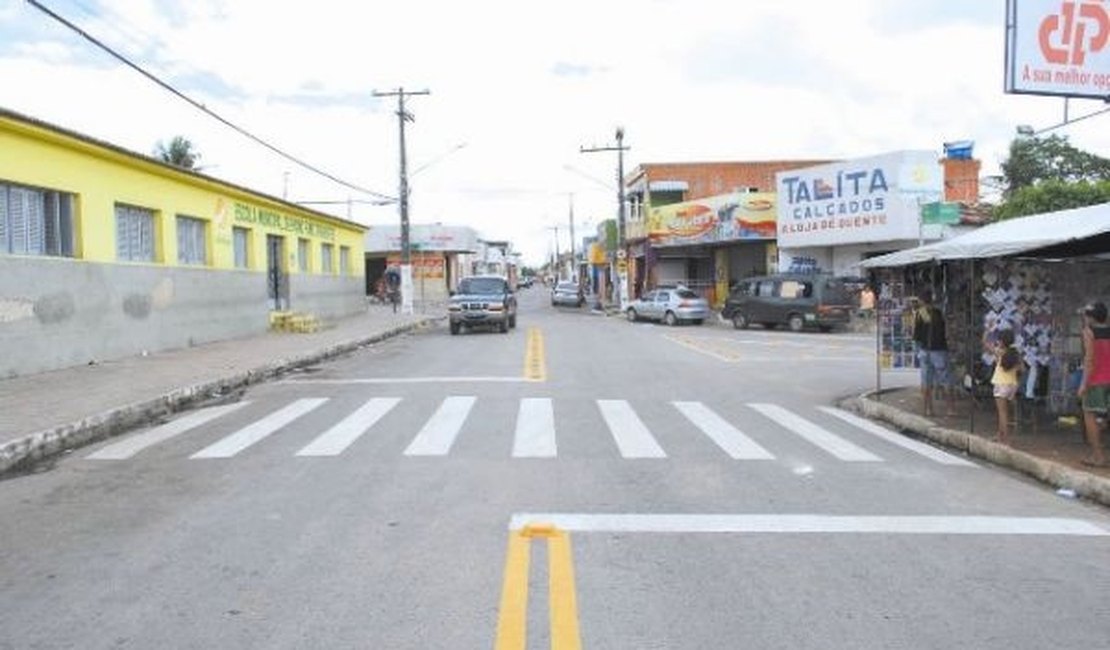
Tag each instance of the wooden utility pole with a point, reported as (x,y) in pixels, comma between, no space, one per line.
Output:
(403,195)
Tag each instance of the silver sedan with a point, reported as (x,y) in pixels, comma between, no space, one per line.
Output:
(671,306)
(567,293)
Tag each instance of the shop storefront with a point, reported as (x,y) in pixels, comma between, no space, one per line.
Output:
(834,216)
(710,243)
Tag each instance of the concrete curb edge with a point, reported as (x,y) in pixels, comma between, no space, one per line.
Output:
(36,447)
(1057,475)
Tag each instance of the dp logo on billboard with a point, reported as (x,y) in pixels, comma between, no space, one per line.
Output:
(1078,28)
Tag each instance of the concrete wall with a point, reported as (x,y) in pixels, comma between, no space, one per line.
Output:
(56,313)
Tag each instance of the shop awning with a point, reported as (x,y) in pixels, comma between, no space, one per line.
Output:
(1052,230)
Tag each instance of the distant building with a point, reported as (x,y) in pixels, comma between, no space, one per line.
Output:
(105,253)
(439,254)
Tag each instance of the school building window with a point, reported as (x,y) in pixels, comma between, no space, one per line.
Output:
(135,234)
(192,246)
(35,221)
(344,260)
(302,255)
(241,238)
(325,259)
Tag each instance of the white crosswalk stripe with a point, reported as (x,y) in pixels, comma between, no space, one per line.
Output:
(535,433)
(835,445)
(252,433)
(735,443)
(932,453)
(335,440)
(130,446)
(439,433)
(535,429)
(632,437)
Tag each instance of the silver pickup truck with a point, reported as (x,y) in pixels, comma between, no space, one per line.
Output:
(482,300)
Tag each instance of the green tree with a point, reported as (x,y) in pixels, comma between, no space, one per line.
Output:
(1052,195)
(1049,174)
(1034,160)
(178,152)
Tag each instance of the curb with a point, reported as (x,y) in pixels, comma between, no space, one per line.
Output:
(21,454)
(1057,475)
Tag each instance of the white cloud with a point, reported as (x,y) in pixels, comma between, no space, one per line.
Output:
(524,86)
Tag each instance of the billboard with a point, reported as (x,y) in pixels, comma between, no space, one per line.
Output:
(722,218)
(872,199)
(1058,47)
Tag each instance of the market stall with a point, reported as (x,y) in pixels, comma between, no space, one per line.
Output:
(1030,274)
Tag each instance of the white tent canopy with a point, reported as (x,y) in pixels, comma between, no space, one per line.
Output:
(1010,237)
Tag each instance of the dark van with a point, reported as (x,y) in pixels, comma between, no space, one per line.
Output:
(799,301)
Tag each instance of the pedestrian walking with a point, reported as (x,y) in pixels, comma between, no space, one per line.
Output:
(931,342)
(1007,367)
(1094,389)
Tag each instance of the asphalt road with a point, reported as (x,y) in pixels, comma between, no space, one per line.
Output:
(679,488)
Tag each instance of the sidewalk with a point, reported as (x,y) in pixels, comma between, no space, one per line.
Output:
(48,413)
(1042,447)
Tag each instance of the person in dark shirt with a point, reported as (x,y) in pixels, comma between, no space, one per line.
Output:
(931,342)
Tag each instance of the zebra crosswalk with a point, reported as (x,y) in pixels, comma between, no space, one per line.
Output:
(827,431)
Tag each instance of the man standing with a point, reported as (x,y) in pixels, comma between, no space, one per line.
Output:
(1094,390)
(932,351)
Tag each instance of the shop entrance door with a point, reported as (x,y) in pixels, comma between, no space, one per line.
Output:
(277,282)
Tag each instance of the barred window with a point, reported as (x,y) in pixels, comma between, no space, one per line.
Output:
(135,234)
(240,238)
(35,221)
(302,255)
(325,259)
(344,260)
(192,244)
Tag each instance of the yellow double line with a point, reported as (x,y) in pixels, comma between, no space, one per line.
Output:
(512,623)
(535,364)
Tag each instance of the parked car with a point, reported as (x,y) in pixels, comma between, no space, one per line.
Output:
(482,300)
(567,293)
(671,306)
(799,301)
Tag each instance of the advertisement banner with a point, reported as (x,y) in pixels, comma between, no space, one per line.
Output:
(865,200)
(428,266)
(1058,47)
(722,218)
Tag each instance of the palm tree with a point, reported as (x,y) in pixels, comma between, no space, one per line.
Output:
(179,153)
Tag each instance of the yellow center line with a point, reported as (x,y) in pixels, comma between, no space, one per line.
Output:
(512,622)
(535,363)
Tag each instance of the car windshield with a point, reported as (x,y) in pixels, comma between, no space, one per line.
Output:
(566,286)
(482,286)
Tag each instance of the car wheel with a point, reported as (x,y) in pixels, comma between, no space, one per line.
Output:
(740,321)
(632,316)
(503,326)
(796,323)
(455,327)
(669,319)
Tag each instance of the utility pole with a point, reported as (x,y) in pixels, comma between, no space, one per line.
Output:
(622,252)
(573,256)
(556,267)
(403,196)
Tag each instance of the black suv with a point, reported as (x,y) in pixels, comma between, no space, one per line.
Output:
(482,300)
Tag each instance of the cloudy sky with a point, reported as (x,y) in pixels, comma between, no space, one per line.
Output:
(517,87)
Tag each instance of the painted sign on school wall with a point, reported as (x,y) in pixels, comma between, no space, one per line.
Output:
(1058,47)
(865,200)
(722,218)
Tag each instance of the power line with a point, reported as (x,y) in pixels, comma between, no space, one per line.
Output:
(202,107)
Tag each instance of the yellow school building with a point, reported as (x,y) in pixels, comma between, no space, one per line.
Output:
(106,253)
